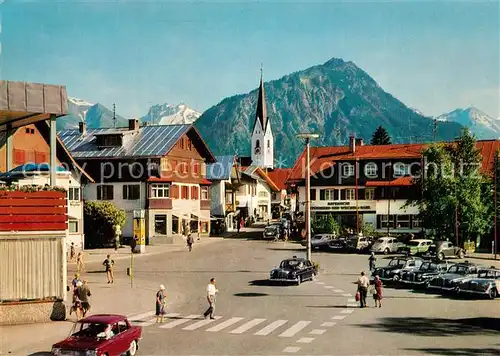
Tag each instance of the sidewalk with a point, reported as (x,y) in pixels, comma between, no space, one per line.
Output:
(484,256)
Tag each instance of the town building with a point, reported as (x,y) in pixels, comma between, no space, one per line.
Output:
(155,173)
(281,201)
(367,184)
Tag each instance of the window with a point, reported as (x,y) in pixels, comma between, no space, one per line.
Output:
(181,143)
(193,224)
(263,195)
(19,156)
(204,193)
(347,170)
(387,221)
(312,194)
(175,224)
(196,168)
(204,227)
(131,192)
(73,226)
(327,194)
(160,224)
(350,194)
(370,194)
(268,143)
(371,170)
(194,193)
(40,157)
(400,169)
(109,141)
(74,193)
(105,192)
(184,192)
(160,191)
(415,222)
(190,144)
(257,143)
(30,131)
(403,221)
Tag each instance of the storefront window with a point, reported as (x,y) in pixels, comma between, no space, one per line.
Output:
(369,194)
(403,221)
(416,222)
(175,224)
(387,221)
(160,224)
(204,227)
(350,194)
(193,224)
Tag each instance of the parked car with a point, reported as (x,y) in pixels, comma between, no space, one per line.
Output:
(89,337)
(272,231)
(398,265)
(416,247)
(448,281)
(319,241)
(359,243)
(386,245)
(487,283)
(293,270)
(427,270)
(444,249)
(339,244)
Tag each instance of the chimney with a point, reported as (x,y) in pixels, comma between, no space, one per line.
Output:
(359,142)
(82,126)
(133,124)
(352,144)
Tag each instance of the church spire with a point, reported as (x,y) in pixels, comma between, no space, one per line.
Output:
(261,113)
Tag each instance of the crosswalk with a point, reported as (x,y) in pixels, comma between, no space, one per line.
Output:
(232,325)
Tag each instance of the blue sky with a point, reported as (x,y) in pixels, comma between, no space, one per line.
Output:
(434,56)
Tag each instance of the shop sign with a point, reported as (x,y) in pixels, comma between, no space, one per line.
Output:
(344,206)
(263,201)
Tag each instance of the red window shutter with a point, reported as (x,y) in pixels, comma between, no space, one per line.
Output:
(175,191)
(195,192)
(19,156)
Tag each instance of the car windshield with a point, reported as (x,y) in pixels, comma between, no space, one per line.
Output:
(458,269)
(397,263)
(88,330)
(291,264)
(317,237)
(428,266)
(413,243)
(381,241)
(489,274)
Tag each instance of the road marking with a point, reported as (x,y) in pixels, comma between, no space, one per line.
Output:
(153,320)
(328,324)
(201,323)
(346,311)
(271,327)
(318,332)
(352,305)
(352,300)
(133,318)
(321,283)
(339,317)
(178,322)
(347,295)
(339,291)
(247,326)
(295,329)
(291,349)
(225,324)
(305,340)
(329,287)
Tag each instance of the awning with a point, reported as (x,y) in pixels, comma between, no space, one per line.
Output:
(402,181)
(205,215)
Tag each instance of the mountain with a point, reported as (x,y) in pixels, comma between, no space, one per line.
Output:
(482,125)
(335,99)
(94,115)
(166,114)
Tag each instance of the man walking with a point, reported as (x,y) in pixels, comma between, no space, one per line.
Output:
(109,263)
(371,261)
(190,241)
(83,294)
(211,292)
(363,284)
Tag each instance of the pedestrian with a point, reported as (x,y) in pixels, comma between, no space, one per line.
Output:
(75,280)
(363,284)
(377,295)
(133,244)
(242,223)
(77,304)
(371,260)
(72,252)
(190,242)
(211,292)
(160,304)
(79,262)
(83,293)
(109,263)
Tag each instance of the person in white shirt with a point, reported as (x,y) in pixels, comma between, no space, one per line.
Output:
(211,292)
(363,284)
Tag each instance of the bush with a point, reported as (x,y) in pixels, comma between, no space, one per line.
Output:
(325,225)
(100,219)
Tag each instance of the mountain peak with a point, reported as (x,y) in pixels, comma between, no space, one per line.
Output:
(167,114)
(78,102)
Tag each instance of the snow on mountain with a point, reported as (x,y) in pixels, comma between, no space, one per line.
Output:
(168,114)
(78,107)
(481,124)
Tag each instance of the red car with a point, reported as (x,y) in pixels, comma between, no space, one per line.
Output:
(100,335)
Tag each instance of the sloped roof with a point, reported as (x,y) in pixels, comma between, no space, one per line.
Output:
(221,169)
(279,176)
(149,141)
(258,173)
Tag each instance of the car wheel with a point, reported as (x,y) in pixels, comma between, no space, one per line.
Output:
(132,348)
(395,278)
(299,280)
(386,251)
(493,293)
(440,256)
(460,254)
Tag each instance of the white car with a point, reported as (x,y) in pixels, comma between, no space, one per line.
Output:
(387,245)
(319,240)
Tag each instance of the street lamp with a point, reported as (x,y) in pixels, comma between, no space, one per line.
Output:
(307,137)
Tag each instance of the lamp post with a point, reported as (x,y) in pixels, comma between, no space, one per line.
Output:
(307,137)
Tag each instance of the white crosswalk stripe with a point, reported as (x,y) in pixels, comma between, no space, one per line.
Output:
(295,329)
(271,327)
(135,317)
(225,324)
(178,322)
(247,326)
(201,323)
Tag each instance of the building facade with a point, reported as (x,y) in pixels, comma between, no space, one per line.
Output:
(262,150)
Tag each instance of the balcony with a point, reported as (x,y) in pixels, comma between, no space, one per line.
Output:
(159,203)
(204,204)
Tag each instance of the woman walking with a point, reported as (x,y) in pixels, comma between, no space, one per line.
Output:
(377,295)
(160,304)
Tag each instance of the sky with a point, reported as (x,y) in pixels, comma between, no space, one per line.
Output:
(433,56)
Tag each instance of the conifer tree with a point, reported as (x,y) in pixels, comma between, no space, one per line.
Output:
(381,137)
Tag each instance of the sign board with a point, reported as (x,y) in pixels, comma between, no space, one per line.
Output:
(362,205)
(263,202)
(139,214)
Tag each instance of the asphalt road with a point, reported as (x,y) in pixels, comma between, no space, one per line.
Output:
(255,318)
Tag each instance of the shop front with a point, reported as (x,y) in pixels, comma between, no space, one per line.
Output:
(348,213)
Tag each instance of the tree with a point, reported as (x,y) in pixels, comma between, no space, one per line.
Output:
(100,219)
(325,225)
(381,137)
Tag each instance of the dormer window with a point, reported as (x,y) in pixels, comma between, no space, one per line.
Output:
(111,140)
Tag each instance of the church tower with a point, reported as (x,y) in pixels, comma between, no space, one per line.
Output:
(262,135)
